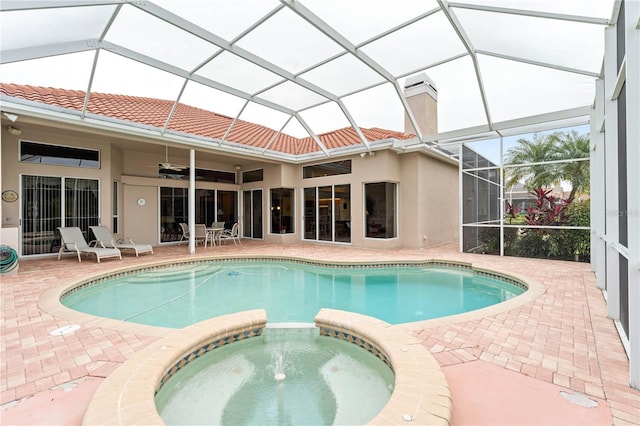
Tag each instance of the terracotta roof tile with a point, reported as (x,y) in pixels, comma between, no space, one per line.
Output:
(189,119)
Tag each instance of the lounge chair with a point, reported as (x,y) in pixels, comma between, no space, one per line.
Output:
(232,234)
(73,241)
(104,235)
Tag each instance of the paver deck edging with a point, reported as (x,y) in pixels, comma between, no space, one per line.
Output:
(421,394)
(128,394)
(50,300)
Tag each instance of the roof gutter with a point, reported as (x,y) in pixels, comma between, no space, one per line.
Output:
(25,108)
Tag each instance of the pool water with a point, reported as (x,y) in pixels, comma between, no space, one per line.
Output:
(324,381)
(178,296)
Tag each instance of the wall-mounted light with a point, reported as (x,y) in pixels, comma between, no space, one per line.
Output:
(14,130)
(238,167)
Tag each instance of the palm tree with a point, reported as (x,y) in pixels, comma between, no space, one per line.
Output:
(530,154)
(572,146)
(554,147)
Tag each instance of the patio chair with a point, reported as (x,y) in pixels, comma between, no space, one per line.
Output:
(185,232)
(104,235)
(217,228)
(73,241)
(231,234)
(201,234)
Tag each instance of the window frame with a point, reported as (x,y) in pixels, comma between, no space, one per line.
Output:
(369,213)
(277,211)
(62,148)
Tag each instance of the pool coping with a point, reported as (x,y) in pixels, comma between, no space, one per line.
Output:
(420,394)
(49,301)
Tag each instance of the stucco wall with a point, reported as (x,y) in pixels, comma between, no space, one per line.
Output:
(427,187)
(439,199)
(429,201)
(141,222)
(12,169)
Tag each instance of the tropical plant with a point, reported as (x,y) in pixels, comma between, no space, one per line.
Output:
(568,146)
(578,241)
(549,210)
(530,154)
(558,146)
(554,243)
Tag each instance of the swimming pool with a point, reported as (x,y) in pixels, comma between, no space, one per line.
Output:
(183,294)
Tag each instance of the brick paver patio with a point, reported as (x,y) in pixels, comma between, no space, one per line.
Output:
(562,337)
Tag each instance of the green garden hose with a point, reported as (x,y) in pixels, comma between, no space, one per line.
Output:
(8,259)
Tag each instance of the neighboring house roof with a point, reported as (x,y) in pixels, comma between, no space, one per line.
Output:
(192,120)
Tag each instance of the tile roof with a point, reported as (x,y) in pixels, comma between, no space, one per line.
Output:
(192,120)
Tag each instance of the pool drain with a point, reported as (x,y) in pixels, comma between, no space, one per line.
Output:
(67,329)
(579,399)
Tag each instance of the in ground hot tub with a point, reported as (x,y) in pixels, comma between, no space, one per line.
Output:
(403,382)
(285,376)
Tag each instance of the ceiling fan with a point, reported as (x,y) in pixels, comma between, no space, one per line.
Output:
(170,166)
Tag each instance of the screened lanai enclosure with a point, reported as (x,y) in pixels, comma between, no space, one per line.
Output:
(304,69)
(534,102)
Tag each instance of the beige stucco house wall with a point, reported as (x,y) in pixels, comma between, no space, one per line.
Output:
(427,185)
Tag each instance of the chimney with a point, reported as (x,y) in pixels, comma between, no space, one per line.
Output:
(422,96)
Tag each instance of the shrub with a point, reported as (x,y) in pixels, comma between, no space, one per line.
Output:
(552,243)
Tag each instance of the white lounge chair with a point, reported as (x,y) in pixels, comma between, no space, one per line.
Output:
(73,241)
(232,234)
(104,235)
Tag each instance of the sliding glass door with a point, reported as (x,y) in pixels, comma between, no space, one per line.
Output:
(252,214)
(327,214)
(211,206)
(49,202)
(174,209)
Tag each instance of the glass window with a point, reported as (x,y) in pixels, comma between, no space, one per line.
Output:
(42,213)
(253,176)
(252,208)
(380,210)
(327,213)
(342,213)
(310,214)
(327,169)
(205,206)
(227,202)
(32,152)
(49,202)
(81,199)
(211,206)
(282,218)
(201,175)
(173,210)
